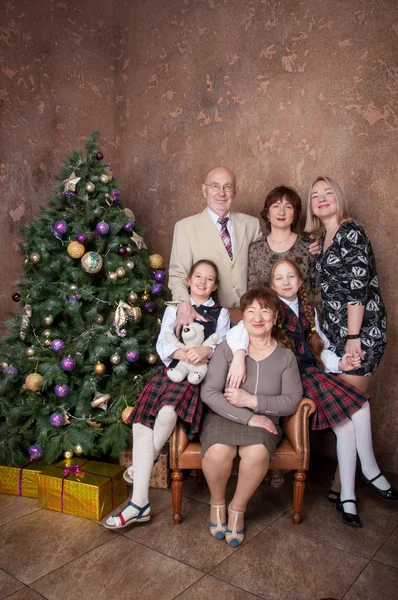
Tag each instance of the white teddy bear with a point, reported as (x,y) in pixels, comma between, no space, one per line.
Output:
(192,335)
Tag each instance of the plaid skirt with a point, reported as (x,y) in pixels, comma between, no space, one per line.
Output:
(161,391)
(335,399)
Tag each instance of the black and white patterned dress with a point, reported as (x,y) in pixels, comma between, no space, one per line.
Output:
(347,275)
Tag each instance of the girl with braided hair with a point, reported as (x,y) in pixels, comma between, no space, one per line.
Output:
(340,405)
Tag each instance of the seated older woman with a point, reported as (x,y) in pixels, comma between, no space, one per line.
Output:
(245,421)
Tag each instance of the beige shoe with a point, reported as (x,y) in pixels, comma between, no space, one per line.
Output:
(233,537)
(218,531)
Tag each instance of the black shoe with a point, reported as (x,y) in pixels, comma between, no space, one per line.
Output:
(333,496)
(348,518)
(390,494)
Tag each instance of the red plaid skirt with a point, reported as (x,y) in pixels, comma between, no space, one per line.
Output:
(161,391)
(335,399)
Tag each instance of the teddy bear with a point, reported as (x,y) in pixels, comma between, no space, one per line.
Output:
(192,335)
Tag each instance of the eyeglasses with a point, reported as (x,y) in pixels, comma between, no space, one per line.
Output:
(216,187)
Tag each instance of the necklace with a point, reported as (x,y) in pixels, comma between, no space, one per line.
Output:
(279,243)
(265,347)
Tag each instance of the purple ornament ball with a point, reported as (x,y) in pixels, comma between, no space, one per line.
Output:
(102,228)
(129,225)
(156,289)
(99,156)
(60,228)
(67,363)
(150,306)
(61,390)
(16,297)
(115,195)
(132,355)
(159,276)
(57,419)
(57,345)
(10,370)
(122,250)
(81,238)
(35,452)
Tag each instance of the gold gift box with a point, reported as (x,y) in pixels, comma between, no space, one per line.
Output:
(160,476)
(82,488)
(20,481)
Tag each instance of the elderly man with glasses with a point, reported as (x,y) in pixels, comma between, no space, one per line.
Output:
(216,234)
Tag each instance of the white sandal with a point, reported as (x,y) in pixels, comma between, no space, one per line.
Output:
(218,531)
(233,537)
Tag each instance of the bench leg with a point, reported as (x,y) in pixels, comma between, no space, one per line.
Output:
(298,495)
(176,494)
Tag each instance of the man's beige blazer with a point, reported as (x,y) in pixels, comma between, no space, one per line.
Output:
(197,238)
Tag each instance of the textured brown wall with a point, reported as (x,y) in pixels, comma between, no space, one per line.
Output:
(279,91)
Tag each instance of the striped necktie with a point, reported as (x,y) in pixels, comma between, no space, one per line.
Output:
(225,235)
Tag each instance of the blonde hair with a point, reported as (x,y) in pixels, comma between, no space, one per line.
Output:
(312,222)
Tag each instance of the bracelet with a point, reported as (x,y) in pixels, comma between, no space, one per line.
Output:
(353,336)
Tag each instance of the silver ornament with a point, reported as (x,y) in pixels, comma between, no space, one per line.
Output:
(90,187)
(112,275)
(120,272)
(48,320)
(130,264)
(99,319)
(35,257)
(104,178)
(132,297)
(30,351)
(115,358)
(47,333)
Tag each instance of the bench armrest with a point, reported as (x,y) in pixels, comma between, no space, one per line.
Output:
(296,429)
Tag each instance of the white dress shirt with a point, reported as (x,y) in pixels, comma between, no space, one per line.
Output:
(165,349)
(215,218)
(238,339)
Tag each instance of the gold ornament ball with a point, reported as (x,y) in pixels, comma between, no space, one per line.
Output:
(145,296)
(99,368)
(120,272)
(47,342)
(115,358)
(34,382)
(137,378)
(152,359)
(99,319)
(78,449)
(132,297)
(48,320)
(112,275)
(47,333)
(76,250)
(3,364)
(73,287)
(126,413)
(92,262)
(130,265)
(68,454)
(104,178)
(156,261)
(90,187)
(30,351)
(129,249)
(35,257)
(129,213)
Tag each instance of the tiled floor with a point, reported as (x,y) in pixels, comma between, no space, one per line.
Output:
(46,554)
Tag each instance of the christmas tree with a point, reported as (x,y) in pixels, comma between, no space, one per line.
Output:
(83,346)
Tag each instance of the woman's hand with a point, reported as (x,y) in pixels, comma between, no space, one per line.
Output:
(354,347)
(314,248)
(237,370)
(198,355)
(348,362)
(264,422)
(240,398)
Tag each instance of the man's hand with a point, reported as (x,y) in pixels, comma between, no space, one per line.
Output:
(237,370)
(198,355)
(186,315)
(262,421)
(240,398)
(314,248)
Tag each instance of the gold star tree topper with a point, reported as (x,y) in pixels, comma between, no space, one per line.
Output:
(71,183)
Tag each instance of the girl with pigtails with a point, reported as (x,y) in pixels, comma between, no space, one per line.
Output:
(340,405)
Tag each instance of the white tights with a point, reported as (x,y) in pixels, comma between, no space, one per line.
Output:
(355,435)
(147,444)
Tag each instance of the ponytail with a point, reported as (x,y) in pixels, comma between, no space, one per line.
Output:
(313,338)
